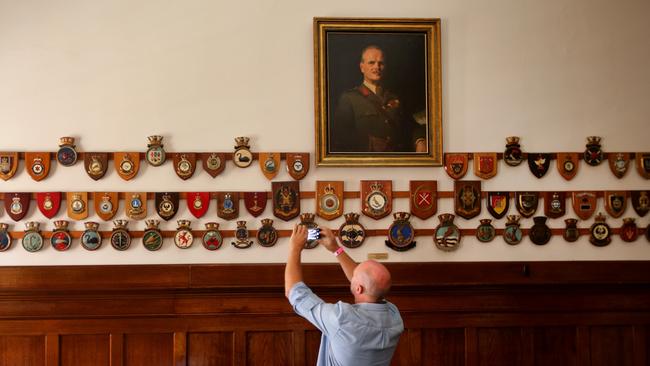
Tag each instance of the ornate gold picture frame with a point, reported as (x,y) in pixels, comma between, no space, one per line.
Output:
(378,97)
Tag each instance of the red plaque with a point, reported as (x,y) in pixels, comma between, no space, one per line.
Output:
(198,203)
(456,165)
(584,203)
(17,204)
(485,165)
(49,203)
(255,202)
(424,198)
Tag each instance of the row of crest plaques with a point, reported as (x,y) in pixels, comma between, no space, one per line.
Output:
(127,164)
(376,201)
(486,164)
(401,234)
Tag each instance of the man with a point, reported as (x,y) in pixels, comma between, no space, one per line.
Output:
(359,334)
(370,118)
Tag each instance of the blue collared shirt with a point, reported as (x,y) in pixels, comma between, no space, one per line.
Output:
(363,334)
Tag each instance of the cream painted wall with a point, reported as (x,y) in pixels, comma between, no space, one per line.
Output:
(202,72)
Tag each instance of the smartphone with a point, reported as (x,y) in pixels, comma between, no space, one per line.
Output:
(313,234)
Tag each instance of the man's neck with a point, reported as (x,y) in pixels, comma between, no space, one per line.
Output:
(372,86)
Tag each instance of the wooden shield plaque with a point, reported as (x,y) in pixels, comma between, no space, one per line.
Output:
(77,203)
(640,202)
(37,165)
(485,165)
(198,203)
(136,205)
(166,204)
(126,164)
(184,165)
(618,163)
(526,203)
(298,165)
(213,163)
(584,203)
(49,203)
(467,201)
(270,164)
(567,164)
(498,203)
(424,198)
(106,204)
(8,164)
(96,164)
(376,198)
(255,202)
(615,203)
(228,205)
(554,204)
(286,199)
(643,164)
(456,165)
(17,204)
(329,199)
(539,163)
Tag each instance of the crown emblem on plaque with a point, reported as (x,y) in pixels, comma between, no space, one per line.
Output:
(328,189)
(403,216)
(241,224)
(184,224)
(242,142)
(307,218)
(593,140)
(120,224)
(212,226)
(600,217)
(91,225)
(61,224)
(3,227)
(152,224)
(629,220)
(513,219)
(446,218)
(512,140)
(376,186)
(351,217)
(155,140)
(66,141)
(32,225)
(267,222)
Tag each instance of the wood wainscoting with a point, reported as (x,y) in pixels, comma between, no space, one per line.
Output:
(497,313)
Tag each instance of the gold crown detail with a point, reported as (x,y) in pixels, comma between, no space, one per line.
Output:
(155,140)
(267,222)
(91,225)
(61,224)
(486,221)
(376,186)
(402,216)
(513,219)
(152,223)
(66,141)
(242,142)
(571,221)
(184,224)
(307,218)
(628,220)
(212,226)
(351,217)
(593,140)
(120,224)
(3,226)
(512,140)
(32,225)
(241,224)
(446,218)
(600,217)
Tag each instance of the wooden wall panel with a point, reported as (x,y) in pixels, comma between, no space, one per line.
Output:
(20,350)
(312,344)
(210,349)
(555,346)
(84,349)
(612,346)
(269,349)
(148,349)
(444,347)
(500,346)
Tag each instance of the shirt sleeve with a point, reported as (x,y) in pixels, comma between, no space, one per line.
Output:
(322,315)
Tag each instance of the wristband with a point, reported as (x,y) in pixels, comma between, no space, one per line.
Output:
(338,251)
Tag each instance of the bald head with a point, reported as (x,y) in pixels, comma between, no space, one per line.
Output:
(374,278)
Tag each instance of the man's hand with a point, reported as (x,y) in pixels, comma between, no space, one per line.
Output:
(298,238)
(328,240)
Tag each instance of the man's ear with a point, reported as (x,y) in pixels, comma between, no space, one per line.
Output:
(359,289)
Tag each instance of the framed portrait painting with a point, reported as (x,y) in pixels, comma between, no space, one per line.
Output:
(377,92)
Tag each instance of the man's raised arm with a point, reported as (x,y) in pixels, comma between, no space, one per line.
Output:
(328,240)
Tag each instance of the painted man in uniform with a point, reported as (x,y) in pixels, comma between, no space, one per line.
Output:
(370,118)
